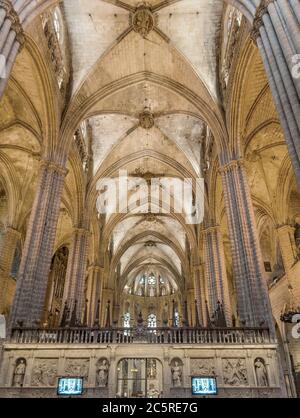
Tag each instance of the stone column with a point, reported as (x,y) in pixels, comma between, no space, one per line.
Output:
(11,40)
(276,29)
(287,245)
(94,293)
(7,253)
(108,295)
(200,298)
(254,307)
(34,270)
(76,271)
(215,272)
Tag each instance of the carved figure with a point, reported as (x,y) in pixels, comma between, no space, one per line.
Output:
(19,373)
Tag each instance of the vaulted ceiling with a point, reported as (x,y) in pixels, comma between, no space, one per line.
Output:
(146,71)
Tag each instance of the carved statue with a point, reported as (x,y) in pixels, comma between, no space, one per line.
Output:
(19,373)
(176,374)
(261,373)
(102,374)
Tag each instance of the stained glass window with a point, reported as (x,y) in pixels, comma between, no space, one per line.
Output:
(152,322)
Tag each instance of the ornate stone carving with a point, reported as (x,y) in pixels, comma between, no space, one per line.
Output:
(258,21)
(146,120)
(19,372)
(13,16)
(261,372)
(150,217)
(44,372)
(203,367)
(55,50)
(150,244)
(142,20)
(77,368)
(102,372)
(234,26)
(152,369)
(176,370)
(235,372)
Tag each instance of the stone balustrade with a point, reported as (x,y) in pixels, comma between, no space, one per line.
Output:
(141,335)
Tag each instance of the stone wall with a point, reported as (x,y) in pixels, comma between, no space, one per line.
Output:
(233,366)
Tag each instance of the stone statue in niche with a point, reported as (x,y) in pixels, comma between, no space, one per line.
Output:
(235,372)
(261,372)
(102,373)
(19,373)
(176,370)
(143,21)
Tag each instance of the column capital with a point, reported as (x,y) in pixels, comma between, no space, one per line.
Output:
(95,267)
(283,227)
(13,16)
(211,229)
(258,19)
(81,231)
(52,166)
(13,231)
(197,267)
(232,165)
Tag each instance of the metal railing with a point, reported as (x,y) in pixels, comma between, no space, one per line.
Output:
(141,335)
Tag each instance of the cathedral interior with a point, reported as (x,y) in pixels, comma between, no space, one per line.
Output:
(140,300)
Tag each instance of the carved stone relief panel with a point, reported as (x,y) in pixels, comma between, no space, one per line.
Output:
(44,372)
(203,367)
(235,372)
(77,367)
